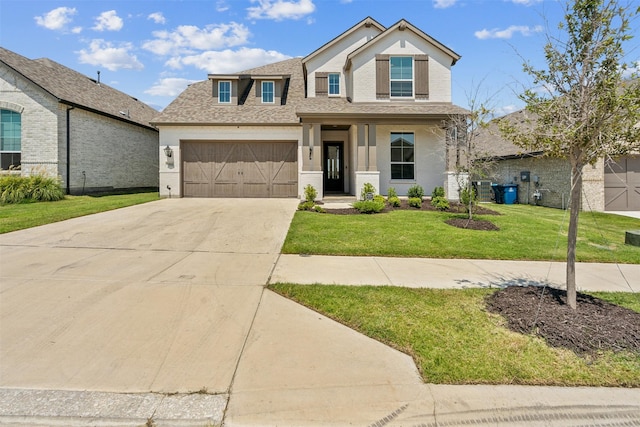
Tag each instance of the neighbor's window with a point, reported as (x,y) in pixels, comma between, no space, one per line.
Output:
(10,139)
(334,84)
(224,92)
(402,155)
(401,76)
(267,92)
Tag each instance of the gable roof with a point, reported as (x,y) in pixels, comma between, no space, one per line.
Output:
(404,25)
(490,142)
(78,90)
(366,22)
(196,104)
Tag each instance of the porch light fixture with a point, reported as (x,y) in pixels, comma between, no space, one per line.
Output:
(168,151)
(310,152)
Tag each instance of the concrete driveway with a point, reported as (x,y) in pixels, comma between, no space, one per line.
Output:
(157,297)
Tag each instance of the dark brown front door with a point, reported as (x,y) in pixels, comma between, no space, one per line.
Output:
(333,167)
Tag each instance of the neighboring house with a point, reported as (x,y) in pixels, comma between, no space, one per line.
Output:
(546,181)
(367,107)
(58,122)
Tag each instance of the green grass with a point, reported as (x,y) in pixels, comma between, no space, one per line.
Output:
(26,215)
(453,340)
(526,233)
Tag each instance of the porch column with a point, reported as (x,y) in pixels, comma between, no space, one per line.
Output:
(306,146)
(316,156)
(311,173)
(361,151)
(372,149)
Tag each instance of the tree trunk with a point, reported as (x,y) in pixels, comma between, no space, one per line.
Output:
(574,206)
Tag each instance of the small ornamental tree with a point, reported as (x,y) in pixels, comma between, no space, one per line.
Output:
(586,109)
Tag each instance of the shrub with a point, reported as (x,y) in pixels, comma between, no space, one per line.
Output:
(306,206)
(369,206)
(437,192)
(44,188)
(319,209)
(415,191)
(394,201)
(367,188)
(310,193)
(391,192)
(415,202)
(440,203)
(379,198)
(12,189)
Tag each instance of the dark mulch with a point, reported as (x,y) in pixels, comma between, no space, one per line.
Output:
(595,325)
(473,224)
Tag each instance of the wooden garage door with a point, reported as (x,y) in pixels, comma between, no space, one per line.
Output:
(622,184)
(239,169)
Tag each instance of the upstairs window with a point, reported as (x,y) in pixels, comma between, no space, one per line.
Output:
(334,84)
(224,92)
(267,93)
(10,139)
(402,155)
(401,76)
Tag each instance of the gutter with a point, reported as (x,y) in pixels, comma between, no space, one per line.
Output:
(69,148)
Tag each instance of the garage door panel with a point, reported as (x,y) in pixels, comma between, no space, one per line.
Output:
(240,169)
(622,184)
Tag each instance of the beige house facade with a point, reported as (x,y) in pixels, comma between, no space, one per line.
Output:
(58,122)
(366,107)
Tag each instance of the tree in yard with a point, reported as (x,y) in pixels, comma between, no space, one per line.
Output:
(587,110)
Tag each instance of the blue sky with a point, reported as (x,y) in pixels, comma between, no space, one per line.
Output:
(151,49)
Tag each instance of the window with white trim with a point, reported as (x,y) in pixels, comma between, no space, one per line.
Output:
(268,92)
(402,155)
(334,84)
(10,139)
(224,92)
(401,76)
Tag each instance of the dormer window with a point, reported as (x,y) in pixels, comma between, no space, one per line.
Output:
(224,92)
(334,84)
(401,76)
(268,92)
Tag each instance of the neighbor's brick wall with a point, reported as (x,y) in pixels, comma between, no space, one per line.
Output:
(554,181)
(113,154)
(39,114)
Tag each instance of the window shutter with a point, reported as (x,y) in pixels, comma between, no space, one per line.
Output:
(322,84)
(382,76)
(422,76)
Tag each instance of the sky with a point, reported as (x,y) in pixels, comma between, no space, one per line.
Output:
(152,49)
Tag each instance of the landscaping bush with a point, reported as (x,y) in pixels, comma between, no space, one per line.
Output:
(369,206)
(367,188)
(310,193)
(394,201)
(437,192)
(415,202)
(379,198)
(319,209)
(440,203)
(415,191)
(391,192)
(18,189)
(306,206)
(468,198)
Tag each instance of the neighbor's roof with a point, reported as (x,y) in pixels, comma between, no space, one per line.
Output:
(73,88)
(490,142)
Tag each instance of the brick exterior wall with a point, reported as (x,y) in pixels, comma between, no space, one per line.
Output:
(554,182)
(112,153)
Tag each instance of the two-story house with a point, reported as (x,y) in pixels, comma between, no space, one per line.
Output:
(367,107)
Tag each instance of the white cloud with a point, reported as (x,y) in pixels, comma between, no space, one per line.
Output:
(222,6)
(104,54)
(526,2)
(506,109)
(56,19)
(632,71)
(157,17)
(188,38)
(170,86)
(443,4)
(280,9)
(495,33)
(228,61)
(108,21)
(76,30)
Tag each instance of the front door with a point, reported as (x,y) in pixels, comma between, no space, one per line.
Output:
(334,167)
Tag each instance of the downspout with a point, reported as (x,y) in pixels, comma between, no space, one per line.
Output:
(69,108)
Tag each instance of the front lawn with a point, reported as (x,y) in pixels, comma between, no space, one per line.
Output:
(526,233)
(455,340)
(25,215)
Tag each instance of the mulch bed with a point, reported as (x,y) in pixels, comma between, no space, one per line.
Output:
(466,223)
(595,325)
